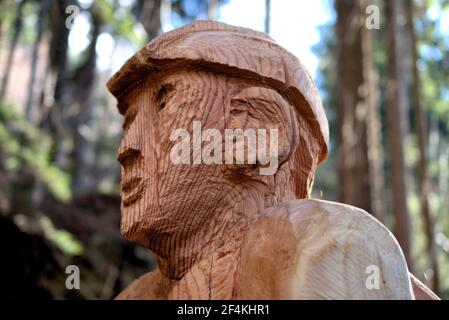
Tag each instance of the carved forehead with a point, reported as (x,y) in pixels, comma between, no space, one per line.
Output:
(192,86)
(234,51)
(200,83)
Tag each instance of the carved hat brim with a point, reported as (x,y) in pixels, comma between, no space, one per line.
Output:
(235,51)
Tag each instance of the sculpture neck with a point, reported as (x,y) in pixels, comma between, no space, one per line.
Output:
(222,234)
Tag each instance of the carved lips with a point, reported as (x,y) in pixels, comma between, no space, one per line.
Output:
(132,190)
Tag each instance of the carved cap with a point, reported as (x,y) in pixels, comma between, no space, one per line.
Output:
(234,51)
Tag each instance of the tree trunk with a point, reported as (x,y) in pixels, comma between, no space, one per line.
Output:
(373,124)
(150,17)
(42,14)
(421,133)
(267,16)
(165,15)
(18,25)
(396,103)
(85,80)
(352,107)
(55,91)
(212,11)
(1,33)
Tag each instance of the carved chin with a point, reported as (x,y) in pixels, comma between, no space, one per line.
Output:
(139,213)
(136,227)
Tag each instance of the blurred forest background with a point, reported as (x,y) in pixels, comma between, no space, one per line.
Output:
(385,91)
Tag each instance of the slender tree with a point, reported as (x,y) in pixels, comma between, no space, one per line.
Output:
(85,82)
(18,25)
(396,96)
(150,17)
(55,99)
(421,134)
(267,15)
(41,19)
(212,11)
(352,105)
(165,14)
(373,122)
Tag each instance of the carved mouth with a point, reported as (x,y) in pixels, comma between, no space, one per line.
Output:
(132,190)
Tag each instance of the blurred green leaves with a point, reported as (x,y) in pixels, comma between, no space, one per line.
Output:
(62,239)
(121,20)
(22,145)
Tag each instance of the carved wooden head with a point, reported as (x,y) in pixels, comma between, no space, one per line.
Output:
(203,79)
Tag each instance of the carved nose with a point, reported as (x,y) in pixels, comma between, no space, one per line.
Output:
(131,148)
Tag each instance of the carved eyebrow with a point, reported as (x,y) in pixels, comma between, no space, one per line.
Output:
(248,102)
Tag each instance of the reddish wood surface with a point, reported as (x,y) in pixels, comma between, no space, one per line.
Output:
(225,231)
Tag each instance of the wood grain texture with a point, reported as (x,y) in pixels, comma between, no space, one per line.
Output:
(188,205)
(421,291)
(234,51)
(224,231)
(300,249)
(323,250)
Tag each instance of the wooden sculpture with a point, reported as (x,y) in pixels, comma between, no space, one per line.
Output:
(225,230)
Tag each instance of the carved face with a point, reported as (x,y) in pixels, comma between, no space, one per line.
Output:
(161,198)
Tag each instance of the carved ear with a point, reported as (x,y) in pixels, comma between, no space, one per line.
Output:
(264,108)
(260,107)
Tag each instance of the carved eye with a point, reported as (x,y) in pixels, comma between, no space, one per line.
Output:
(239,106)
(162,95)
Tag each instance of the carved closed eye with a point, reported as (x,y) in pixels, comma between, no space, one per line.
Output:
(161,98)
(239,106)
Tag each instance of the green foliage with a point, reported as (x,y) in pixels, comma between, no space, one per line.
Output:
(434,72)
(22,145)
(7,12)
(120,20)
(433,45)
(434,62)
(61,238)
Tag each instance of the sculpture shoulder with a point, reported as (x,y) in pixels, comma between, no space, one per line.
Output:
(313,249)
(150,286)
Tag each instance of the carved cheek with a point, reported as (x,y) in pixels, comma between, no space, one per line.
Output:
(151,132)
